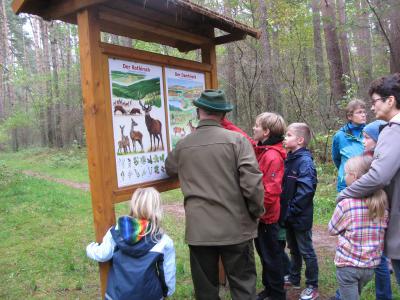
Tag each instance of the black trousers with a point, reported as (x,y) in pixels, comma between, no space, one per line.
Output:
(239,265)
(271,256)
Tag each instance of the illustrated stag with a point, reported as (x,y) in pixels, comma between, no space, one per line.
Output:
(136,136)
(154,127)
(124,143)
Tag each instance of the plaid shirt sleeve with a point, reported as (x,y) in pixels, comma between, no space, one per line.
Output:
(339,220)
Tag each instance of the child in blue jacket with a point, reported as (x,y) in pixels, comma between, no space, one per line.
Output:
(143,257)
(299,185)
(348,140)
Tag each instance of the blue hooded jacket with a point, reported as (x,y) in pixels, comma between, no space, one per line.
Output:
(142,267)
(347,143)
(298,189)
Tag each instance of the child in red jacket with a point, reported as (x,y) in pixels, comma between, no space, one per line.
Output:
(268,134)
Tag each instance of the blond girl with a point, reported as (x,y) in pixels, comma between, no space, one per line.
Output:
(360,225)
(143,257)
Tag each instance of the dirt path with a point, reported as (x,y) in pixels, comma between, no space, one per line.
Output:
(324,243)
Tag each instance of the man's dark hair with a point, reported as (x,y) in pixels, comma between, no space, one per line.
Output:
(387,86)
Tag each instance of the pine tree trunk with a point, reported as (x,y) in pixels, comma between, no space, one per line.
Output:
(268,80)
(47,73)
(318,54)
(231,68)
(344,42)
(363,46)
(56,91)
(395,36)
(333,52)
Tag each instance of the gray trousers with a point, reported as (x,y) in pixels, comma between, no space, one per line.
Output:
(351,281)
(239,265)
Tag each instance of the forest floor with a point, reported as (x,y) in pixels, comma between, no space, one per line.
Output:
(324,243)
(47,221)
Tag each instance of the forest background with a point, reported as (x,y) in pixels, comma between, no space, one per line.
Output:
(312,58)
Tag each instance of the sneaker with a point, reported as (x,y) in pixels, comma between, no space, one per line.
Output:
(288,284)
(263,295)
(309,293)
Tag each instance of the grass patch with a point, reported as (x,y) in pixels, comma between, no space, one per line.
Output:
(46,227)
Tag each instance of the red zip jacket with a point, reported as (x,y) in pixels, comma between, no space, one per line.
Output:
(271,161)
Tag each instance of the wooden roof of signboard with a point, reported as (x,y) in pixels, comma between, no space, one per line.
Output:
(177,23)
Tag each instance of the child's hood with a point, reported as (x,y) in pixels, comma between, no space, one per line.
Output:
(131,236)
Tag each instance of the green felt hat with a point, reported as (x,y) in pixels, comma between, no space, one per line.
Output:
(213,100)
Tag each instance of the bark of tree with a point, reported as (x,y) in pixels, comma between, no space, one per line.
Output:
(46,72)
(267,75)
(363,46)
(394,35)
(3,56)
(319,55)
(231,68)
(333,51)
(56,91)
(343,39)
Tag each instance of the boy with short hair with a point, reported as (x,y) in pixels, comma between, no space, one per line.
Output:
(299,185)
(268,134)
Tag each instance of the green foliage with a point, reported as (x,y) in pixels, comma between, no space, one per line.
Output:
(17,120)
(7,175)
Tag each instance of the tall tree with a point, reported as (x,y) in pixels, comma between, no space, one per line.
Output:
(268,79)
(318,53)
(363,47)
(44,30)
(343,39)
(333,51)
(55,85)
(395,36)
(231,67)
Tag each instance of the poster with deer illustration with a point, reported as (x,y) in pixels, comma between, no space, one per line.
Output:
(139,124)
(183,87)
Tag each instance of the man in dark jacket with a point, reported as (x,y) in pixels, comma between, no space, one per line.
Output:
(299,185)
(223,193)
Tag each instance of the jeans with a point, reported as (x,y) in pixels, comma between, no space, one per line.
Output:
(271,256)
(383,288)
(301,247)
(351,281)
(396,269)
(285,258)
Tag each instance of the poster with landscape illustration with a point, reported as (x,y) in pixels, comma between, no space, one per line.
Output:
(139,124)
(183,87)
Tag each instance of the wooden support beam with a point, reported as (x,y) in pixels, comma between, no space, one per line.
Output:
(121,30)
(63,8)
(97,122)
(132,22)
(229,38)
(155,58)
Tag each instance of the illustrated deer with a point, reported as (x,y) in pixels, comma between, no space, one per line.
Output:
(192,128)
(154,127)
(136,136)
(119,108)
(124,143)
(134,111)
(179,130)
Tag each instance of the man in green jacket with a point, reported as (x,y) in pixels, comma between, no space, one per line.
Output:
(223,197)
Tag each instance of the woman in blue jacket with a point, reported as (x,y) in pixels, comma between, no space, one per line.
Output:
(348,140)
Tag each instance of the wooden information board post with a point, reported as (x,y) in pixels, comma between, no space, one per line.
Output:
(113,167)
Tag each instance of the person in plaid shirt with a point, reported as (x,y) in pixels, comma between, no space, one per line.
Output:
(360,225)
